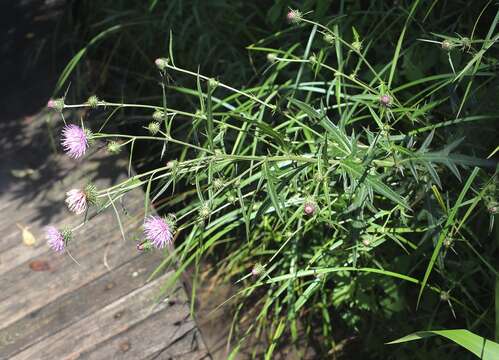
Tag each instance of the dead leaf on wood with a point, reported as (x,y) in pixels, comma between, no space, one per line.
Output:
(39,265)
(27,236)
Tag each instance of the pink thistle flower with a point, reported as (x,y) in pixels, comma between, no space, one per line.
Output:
(158,231)
(76,200)
(55,239)
(74,141)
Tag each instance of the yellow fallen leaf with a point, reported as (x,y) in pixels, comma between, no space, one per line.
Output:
(28,237)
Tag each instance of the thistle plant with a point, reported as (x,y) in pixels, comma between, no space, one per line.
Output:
(338,181)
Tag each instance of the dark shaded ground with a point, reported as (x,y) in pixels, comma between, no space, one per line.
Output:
(29,60)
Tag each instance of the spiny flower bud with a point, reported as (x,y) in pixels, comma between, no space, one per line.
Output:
(271,58)
(158,115)
(213,83)
(385,100)
(144,246)
(447,45)
(153,127)
(444,296)
(161,63)
(448,242)
(329,38)
(114,147)
(257,269)
(309,207)
(294,16)
(205,211)
(493,207)
(319,177)
(218,183)
(312,59)
(93,101)
(357,46)
(56,104)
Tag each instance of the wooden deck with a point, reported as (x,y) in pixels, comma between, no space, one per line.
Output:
(102,308)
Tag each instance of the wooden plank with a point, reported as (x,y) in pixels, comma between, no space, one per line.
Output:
(25,290)
(76,305)
(159,336)
(119,317)
(18,253)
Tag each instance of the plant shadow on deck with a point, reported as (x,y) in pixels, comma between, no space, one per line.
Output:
(31,62)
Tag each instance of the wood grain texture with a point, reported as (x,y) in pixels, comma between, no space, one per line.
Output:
(102,307)
(114,319)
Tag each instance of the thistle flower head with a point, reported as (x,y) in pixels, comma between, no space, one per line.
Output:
(329,38)
(144,246)
(447,45)
(385,100)
(93,101)
(257,269)
(271,58)
(218,183)
(153,127)
(213,83)
(444,296)
(309,207)
(294,16)
(56,239)
(76,201)
(158,115)
(205,211)
(161,63)
(159,231)
(357,46)
(114,147)
(56,104)
(75,140)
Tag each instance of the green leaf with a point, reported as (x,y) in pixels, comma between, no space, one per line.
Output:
(483,348)
(76,59)
(445,231)
(357,172)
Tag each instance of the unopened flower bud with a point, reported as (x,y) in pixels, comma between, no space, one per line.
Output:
(271,58)
(56,104)
(205,211)
(144,246)
(447,45)
(114,147)
(158,115)
(385,100)
(218,183)
(444,296)
(309,207)
(161,63)
(294,16)
(357,46)
(93,101)
(329,38)
(213,83)
(257,269)
(153,127)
